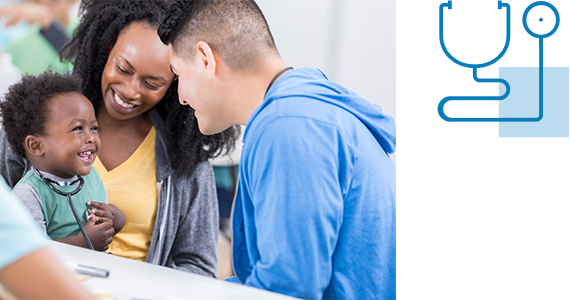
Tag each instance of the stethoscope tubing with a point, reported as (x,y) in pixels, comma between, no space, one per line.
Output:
(81,228)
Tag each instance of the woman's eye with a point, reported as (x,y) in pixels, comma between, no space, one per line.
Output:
(122,70)
(152,86)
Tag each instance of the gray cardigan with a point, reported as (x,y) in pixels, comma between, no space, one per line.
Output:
(185,235)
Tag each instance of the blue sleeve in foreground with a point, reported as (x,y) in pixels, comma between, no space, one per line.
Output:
(20,235)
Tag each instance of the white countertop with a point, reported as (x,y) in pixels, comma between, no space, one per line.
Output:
(129,279)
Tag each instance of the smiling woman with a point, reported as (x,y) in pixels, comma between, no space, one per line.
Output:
(153,159)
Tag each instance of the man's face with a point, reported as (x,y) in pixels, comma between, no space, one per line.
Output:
(202,92)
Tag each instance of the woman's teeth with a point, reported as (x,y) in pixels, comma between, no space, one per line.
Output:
(122,103)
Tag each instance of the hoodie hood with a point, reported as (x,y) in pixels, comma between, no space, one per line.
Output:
(312,83)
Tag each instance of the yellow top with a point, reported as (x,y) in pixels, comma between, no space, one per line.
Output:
(132,188)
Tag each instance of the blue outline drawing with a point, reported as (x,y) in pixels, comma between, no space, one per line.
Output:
(497,80)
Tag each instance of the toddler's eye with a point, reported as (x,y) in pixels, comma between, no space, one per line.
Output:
(77,128)
(94,127)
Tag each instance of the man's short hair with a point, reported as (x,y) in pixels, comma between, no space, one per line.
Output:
(235,29)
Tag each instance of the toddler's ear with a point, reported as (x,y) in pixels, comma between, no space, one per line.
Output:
(33,145)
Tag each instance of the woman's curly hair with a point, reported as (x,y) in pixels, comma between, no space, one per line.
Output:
(24,109)
(89,48)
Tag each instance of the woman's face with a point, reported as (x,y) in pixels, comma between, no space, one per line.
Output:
(137,74)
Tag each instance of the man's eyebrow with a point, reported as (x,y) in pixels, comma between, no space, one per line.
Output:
(128,63)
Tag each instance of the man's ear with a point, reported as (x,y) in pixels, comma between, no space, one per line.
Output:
(34,145)
(205,57)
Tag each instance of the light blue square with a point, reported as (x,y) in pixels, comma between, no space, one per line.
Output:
(524,98)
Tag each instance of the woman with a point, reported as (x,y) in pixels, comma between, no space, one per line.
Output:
(153,159)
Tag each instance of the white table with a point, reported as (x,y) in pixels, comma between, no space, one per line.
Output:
(129,279)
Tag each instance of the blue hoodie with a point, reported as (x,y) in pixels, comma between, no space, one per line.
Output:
(315,212)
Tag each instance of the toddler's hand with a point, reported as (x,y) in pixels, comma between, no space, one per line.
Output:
(100,231)
(110,211)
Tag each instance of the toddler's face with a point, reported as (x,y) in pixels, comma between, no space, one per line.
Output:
(71,139)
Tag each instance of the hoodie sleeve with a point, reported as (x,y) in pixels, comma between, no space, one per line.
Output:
(297,172)
(12,167)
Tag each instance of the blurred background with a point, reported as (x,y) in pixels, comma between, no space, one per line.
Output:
(352,41)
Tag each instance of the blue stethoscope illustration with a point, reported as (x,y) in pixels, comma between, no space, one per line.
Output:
(540,38)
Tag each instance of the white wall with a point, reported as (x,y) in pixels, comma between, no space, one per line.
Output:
(353,42)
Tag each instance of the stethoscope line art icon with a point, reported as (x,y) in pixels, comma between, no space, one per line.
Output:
(540,38)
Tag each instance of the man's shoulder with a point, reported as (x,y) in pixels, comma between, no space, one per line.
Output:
(303,108)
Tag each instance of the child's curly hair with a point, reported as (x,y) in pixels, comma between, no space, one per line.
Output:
(24,109)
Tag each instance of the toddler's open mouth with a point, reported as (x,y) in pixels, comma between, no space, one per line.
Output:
(87,156)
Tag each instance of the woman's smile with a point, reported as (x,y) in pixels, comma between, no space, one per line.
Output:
(121,105)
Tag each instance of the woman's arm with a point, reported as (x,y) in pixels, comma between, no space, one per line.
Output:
(195,247)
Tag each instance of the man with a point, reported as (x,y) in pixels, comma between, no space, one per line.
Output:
(314,216)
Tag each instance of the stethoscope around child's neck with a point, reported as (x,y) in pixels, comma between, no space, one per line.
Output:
(50,183)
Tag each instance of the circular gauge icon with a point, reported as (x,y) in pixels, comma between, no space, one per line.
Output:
(541,19)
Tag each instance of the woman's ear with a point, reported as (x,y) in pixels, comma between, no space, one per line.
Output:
(33,145)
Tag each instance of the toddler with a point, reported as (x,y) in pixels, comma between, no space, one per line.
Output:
(49,122)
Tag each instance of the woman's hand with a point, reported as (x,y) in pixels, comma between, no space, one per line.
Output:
(104,210)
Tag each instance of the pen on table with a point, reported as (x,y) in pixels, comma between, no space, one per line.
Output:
(96,272)
(86,270)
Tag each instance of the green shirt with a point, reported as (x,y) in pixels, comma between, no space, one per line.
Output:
(59,219)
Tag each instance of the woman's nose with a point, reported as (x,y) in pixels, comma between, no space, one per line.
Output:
(132,89)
